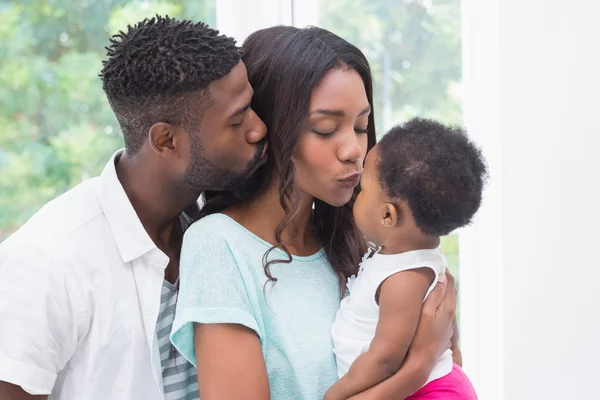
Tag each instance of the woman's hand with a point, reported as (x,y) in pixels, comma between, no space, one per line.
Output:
(438,316)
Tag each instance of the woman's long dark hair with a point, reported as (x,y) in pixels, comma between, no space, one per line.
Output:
(284,65)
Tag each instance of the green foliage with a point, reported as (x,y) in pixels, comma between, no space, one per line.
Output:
(450,248)
(414,50)
(57,127)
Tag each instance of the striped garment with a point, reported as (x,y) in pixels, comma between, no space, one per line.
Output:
(179,376)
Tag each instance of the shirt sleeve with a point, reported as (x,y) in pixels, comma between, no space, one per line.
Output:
(38,314)
(212,288)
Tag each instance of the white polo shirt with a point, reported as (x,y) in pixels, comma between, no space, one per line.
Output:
(80,290)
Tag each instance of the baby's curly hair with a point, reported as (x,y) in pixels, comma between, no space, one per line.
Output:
(436,169)
(152,69)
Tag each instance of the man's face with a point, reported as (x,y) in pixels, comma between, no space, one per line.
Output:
(230,144)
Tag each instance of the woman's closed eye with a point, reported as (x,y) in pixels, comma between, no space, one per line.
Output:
(324,133)
(331,132)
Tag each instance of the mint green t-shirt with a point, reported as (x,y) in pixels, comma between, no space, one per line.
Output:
(222,281)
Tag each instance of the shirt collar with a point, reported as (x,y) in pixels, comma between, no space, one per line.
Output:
(128,232)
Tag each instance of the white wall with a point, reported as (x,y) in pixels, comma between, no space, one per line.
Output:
(532,70)
(481,251)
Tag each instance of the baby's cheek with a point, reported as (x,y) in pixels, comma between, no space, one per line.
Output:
(357,209)
(364,221)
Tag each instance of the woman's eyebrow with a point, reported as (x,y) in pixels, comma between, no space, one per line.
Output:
(338,113)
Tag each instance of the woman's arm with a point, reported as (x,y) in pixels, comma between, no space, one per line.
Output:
(230,363)
(400,301)
(215,325)
(429,343)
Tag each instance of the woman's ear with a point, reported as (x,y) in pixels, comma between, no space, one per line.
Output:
(390,215)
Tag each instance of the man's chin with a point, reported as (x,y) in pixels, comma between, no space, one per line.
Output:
(244,188)
(240,185)
(250,185)
(256,165)
(259,159)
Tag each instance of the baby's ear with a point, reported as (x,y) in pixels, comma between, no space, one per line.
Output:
(390,215)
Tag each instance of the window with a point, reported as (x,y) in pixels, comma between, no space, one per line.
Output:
(57,126)
(58,129)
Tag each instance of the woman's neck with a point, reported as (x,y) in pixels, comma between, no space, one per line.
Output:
(264,213)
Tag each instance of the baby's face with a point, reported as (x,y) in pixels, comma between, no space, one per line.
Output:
(367,207)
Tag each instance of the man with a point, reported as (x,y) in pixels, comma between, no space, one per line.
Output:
(88,285)
(83,283)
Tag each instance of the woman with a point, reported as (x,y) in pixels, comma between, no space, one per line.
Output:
(262,276)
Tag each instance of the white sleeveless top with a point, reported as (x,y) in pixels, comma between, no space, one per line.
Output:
(356,320)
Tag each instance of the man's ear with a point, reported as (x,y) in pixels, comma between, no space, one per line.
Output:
(164,138)
(389,215)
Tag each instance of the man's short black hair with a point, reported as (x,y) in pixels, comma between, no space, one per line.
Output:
(154,67)
(436,169)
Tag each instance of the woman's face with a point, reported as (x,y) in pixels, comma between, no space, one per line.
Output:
(328,158)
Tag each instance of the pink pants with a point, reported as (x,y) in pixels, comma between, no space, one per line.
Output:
(454,386)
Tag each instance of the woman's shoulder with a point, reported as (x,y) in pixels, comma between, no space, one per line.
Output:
(213,228)
(218,242)
(213,223)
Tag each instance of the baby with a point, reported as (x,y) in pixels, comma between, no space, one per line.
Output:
(422,181)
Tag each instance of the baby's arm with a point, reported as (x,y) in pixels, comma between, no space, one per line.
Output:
(400,301)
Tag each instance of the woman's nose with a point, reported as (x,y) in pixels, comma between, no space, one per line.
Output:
(351,149)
